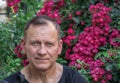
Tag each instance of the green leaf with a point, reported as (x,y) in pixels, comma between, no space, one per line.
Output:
(101,54)
(76,20)
(119,22)
(119,65)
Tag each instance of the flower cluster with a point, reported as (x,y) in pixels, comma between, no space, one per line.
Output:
(20,54)
(89,42)
(13,4)
(97,72)
(115,34)
(100,15)
(67,39)
(51,9)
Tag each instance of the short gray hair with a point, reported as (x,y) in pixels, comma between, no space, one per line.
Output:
(42,20)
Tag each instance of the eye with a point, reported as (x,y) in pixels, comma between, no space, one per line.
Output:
(34,43)
(49,44)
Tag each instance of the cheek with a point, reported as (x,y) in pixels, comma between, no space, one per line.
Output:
(30,51)
(53,53)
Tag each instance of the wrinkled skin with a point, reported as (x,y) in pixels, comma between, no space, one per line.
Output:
(42,46)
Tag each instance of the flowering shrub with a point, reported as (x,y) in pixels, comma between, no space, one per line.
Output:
(89,42)
(13,4)
(90,34)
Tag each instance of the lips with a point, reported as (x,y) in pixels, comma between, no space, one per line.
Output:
(41,59)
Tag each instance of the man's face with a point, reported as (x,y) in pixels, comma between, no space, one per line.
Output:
(42,46)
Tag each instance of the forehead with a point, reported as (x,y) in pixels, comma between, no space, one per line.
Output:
(42,31)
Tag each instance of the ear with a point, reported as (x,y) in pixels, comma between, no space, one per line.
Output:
(60,46)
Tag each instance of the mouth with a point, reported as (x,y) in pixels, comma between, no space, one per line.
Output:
(42,59)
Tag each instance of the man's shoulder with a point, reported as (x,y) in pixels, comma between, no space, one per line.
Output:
(69,70)
(10,79)
(73,75)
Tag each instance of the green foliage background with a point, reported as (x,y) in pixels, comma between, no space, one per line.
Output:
(11,33)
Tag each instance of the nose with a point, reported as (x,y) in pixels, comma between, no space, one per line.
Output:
(41,50)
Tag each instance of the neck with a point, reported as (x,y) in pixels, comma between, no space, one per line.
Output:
(36,74)
(52,75)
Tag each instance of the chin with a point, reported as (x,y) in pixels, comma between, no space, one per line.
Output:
(42,67)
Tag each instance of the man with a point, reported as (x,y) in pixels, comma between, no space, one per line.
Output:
(42,44)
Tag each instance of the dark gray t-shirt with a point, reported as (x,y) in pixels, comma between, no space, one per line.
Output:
(68,76)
